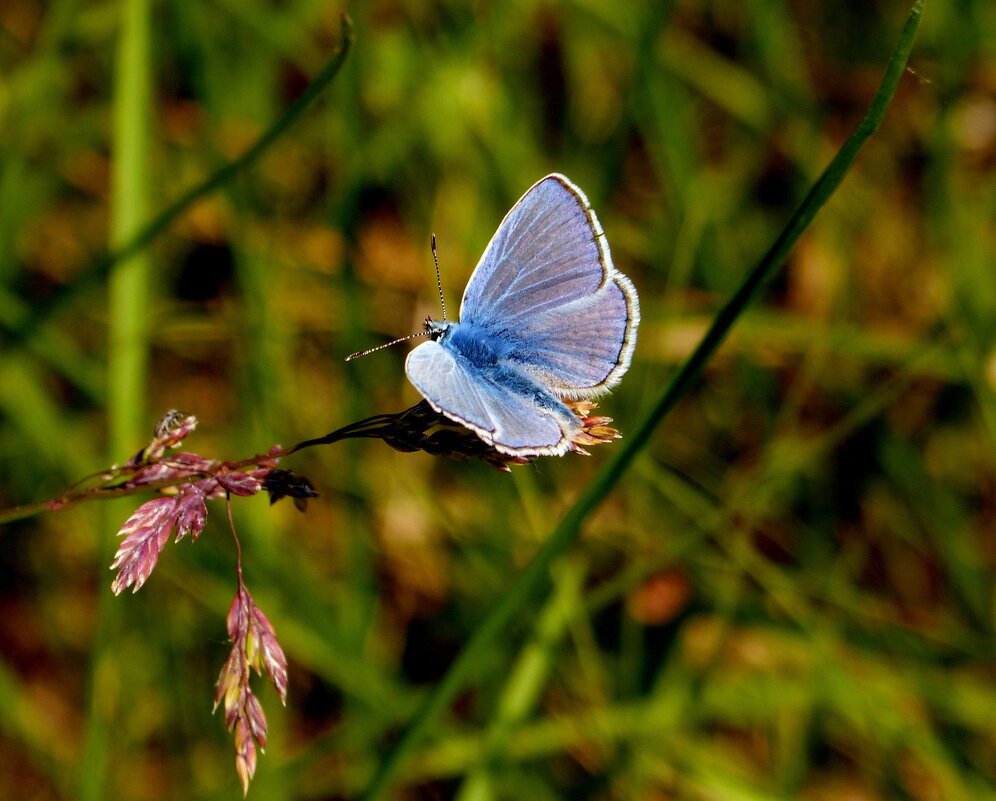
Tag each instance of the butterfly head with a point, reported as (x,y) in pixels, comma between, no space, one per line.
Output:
(436,328)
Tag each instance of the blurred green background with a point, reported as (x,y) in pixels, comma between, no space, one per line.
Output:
(790,596)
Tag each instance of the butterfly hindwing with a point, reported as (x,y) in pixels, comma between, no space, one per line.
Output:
(577,349)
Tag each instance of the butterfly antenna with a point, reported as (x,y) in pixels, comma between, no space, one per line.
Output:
(385,345)
(442,302)
(439,283)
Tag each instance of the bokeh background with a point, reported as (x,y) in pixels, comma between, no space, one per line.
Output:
(790,596)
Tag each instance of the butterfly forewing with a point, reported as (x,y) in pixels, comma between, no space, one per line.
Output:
(547,282)
(497,410)
(544,254)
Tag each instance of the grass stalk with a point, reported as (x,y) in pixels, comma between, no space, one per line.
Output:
(128,347)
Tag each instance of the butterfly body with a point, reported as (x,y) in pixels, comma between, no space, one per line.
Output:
(545,318)
(478,345)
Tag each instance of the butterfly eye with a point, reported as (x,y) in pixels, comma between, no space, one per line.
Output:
(435,328)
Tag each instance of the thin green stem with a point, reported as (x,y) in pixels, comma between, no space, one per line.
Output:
(112,483)
(536,574)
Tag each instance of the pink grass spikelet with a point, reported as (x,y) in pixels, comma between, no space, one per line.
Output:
(145,533)
(239,483)
(148,529)
(254,646)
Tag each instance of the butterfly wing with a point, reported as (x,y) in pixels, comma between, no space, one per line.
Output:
(503,408)
(546,281)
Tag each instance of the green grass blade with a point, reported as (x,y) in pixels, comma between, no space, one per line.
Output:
(128,355)
(525,680)
(536,573)
(104,265)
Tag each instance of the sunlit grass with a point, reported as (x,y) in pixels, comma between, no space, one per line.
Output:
(788,595)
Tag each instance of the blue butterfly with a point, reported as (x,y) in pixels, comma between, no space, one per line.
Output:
(545,318)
